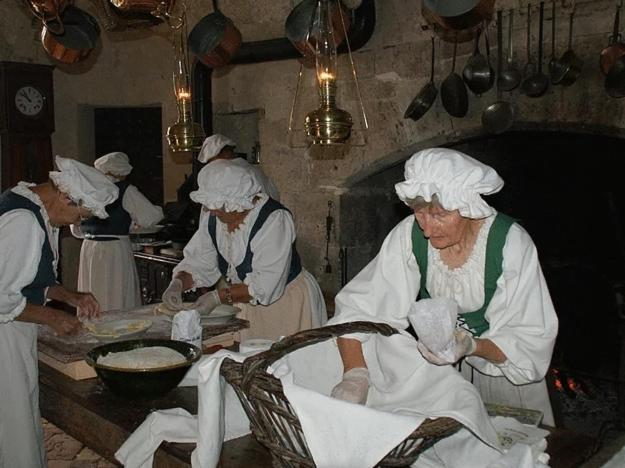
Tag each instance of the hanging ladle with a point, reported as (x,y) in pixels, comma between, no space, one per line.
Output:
(425,98)
(477,73)
(536,85)
(570,63)
(499,116)
(556,67)
(510,77)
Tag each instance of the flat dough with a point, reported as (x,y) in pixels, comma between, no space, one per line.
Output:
(143,358)
(162,308)
(117,328)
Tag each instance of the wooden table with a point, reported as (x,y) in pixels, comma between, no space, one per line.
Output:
(90,413)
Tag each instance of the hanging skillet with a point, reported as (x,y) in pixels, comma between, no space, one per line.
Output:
(478,75)
(215,40)
(425,98)
(454,93)
(80,36)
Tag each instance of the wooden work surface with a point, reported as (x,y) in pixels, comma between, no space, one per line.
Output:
(87,411)
(90,413)
(69,349)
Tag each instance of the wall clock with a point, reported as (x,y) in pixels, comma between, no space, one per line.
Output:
(26,122)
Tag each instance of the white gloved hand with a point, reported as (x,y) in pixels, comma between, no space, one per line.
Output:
(464,345)
(354,387)
(172,297)
(207,302)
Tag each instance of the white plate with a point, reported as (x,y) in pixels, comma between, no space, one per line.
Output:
(220,315)
(117,328)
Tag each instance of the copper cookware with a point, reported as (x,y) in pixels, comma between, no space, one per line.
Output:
(299,23)
(80,36)
(615,49)
(215,40)
(458,20)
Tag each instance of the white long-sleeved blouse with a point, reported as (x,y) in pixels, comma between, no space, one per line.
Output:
(21,242)
(522,319)
(271,247)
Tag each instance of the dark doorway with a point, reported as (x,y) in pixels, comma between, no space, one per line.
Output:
(136,131)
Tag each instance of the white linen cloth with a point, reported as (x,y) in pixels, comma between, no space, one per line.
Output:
(523,322)
(338,434)
(85,185)
(115,163)
(108,269)
(267,282)
(21,243)
(457,179)
(434,321)
(227,186)
(212,146)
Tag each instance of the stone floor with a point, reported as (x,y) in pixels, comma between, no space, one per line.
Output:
(64,451)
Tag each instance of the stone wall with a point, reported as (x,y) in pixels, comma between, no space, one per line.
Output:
(133,68)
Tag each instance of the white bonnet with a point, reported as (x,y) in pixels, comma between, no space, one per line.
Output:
(84,185)
(116,163)
(212,146)
(227,186)
(457,179)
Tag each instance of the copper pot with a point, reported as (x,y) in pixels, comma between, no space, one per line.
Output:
(80,36)
(215,40)
(457,21)
(616,49)
(299,22)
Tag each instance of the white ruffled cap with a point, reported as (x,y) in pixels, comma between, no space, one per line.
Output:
(84,185)
(227,186)
(116,163)
(212,146)
(457,179)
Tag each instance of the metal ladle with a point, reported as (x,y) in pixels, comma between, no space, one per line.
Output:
(510,77)
(499,116)
(537,84)
(556,67)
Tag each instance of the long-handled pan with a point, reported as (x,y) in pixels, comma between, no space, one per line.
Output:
(615,49)
(509,77)
(426,96)
(537,84)
(570,63)
(454,92)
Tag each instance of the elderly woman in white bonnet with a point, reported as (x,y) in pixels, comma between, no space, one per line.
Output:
(30,217)
(249,239)
(457,247)
(107,267)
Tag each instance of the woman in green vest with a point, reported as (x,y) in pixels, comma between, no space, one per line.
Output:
(458,247)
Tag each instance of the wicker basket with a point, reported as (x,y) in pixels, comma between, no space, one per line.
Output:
(273,420)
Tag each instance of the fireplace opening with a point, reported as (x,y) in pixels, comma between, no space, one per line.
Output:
(566,189)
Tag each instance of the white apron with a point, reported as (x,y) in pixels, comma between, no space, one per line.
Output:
(21,432)
(107,270)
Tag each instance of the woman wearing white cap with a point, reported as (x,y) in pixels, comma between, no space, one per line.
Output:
(249,239)
(107,268)
(218,147)
(30,216)
(456,246)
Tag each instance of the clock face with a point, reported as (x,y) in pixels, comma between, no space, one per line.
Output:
(29,101)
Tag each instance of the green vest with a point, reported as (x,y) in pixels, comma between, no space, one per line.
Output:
(475,321)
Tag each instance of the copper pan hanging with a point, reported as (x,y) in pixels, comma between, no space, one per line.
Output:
(80,35)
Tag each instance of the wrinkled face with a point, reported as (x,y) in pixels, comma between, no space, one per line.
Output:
(443,228)
(66,211)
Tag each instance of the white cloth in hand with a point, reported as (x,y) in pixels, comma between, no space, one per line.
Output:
(207,302)
(354,387)
(434,320)
(463,345)
(172,297)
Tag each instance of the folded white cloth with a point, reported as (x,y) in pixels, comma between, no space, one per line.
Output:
(172,425)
